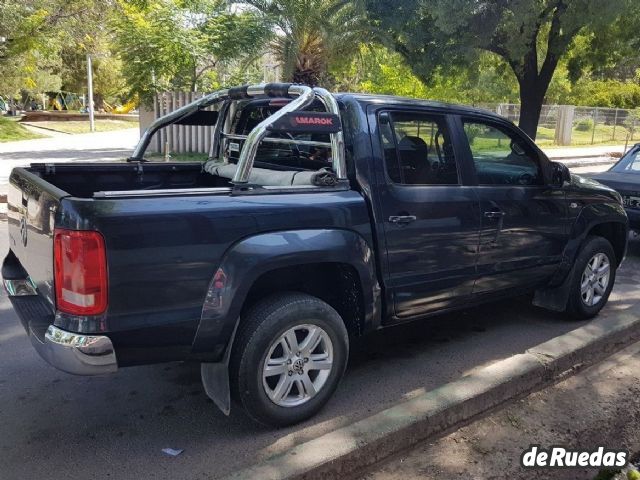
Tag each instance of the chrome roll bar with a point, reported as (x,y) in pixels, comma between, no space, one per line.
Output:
(306,96)
(337,139)
(173,117)
(303,97)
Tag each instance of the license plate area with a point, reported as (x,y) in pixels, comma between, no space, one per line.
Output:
(631,201)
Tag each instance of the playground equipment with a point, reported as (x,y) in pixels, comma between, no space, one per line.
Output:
(65,101)
(122,109)
(127,107)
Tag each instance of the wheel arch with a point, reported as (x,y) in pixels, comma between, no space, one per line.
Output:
(249,269)
(605,220)
(616,233)
(269,262)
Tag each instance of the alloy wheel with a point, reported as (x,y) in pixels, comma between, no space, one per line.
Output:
(595,279)
(297,365)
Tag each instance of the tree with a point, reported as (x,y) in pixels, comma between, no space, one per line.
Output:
(46,45)
(611,53)
(530,35)
(174,44)
(311,35)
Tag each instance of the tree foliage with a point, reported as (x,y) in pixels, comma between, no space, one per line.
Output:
(47,43)
(312,35)
(175,45)
(531,36)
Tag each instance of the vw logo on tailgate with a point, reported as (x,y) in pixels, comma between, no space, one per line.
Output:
(23,230)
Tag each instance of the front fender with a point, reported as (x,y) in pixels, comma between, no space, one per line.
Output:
(555,295)
(245,261)
(590,216)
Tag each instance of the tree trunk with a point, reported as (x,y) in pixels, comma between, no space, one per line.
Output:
(533,88)
(530,108)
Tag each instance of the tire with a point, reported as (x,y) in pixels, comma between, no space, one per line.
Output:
(267,332)
(579,306)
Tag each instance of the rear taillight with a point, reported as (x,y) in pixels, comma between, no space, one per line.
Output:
(80,272)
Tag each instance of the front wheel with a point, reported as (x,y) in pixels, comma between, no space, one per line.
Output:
(594,276)
(289,356)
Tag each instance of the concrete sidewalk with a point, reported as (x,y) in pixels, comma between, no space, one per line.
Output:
(101,146)
(599,406)
(586,151)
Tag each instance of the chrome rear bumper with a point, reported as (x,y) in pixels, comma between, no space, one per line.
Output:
(76,353)
(70,352)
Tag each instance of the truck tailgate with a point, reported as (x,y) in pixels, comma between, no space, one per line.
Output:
(33,205)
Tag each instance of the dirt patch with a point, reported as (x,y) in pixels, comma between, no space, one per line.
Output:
(599,406)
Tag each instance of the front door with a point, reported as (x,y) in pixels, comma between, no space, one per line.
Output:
(431,221)
(524,218)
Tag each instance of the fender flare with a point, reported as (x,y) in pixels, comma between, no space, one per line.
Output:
(243,263)
(556,295)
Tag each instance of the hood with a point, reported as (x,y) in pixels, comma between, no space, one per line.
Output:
(590,185)
(626,183)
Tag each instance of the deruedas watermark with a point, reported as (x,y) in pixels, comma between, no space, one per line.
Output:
(562,457)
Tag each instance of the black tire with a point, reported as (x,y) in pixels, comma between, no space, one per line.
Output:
(576,306)
(262,324)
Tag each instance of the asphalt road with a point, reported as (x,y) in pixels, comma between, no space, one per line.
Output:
(86,147)
(54,425)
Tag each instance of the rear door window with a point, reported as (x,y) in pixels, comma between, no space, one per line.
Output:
(417,149)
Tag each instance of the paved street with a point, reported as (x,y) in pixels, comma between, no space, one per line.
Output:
(85,147)
(57,425)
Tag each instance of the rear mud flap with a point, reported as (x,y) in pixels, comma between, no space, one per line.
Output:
(215,378)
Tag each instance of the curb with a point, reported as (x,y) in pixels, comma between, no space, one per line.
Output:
(585,161)
(351,449)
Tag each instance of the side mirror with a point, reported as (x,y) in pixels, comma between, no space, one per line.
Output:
(561,174)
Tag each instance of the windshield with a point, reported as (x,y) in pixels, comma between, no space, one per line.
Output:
(630,163)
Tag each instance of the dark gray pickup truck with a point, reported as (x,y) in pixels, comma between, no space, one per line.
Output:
(316,218)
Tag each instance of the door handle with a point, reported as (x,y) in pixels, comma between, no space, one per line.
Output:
(402,219)
(494,214)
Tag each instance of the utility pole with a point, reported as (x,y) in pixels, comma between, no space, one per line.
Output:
(92,125)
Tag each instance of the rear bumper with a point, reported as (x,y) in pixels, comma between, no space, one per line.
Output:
(70,352)
(74,353)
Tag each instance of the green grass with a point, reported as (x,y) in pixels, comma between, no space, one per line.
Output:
(603,135)
(11,130)
(82,126)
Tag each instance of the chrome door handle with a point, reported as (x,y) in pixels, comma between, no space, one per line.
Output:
(402,219)
(494,214)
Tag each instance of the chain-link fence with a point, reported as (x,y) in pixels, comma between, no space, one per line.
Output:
(589,125)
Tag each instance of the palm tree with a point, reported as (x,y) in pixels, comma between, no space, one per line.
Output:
(309,35)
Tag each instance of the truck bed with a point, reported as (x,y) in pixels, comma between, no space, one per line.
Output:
(83,180)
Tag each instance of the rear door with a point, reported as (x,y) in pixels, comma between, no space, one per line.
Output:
(524,225)
(431,220)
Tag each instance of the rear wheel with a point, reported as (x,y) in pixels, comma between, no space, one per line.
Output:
(593,279)
(288,358)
